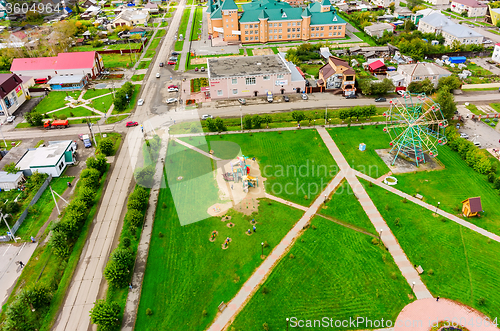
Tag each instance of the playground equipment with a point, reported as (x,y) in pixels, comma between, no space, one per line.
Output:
(249,181)
(416,126)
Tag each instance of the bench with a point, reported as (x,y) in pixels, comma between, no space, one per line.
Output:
(419,196)
(420,270)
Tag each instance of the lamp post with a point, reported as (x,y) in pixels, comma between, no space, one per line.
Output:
(330,122)
(326,197)
(287,322)
(241,118)
(438,206)
(8,227)
(262,245)
(380,234)
(412,286)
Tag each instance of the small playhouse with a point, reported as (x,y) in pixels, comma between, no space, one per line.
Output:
(240,172)
(471,207)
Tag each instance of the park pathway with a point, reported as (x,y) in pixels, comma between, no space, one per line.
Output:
(432,208)
(286,202)
(260,275)
(196,149)
(386,235)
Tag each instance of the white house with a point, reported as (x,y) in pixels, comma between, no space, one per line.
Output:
(474,8)
(130,17)
(385,3)
(438,23)
(417,72)
(10,181)
(438,2)
(51,159)
(377,30)
(12,95)
(496,53)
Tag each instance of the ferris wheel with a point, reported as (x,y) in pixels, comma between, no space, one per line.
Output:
(416,126)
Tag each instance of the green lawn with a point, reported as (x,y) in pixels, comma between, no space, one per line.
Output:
(95,93)
(297,164)
(458,263)
(197,23)
(311,69)
(343,202)
(367,162)
(186,274)
(473,109)
(144,64)
(249,52)
(114,136)
(118,60)
(72,112)
(330,271)
(495,106)
(178,46)
(151,51)
(160,33)
(133,99)
(40,212)
(365,38)
(114,119)
(102,104)
(55,100)
(184,22)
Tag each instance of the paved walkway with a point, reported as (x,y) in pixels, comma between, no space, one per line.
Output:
(388,238)
(260,275)
(421,315)
(196,149)
(187,42)
(286,202)
(432,208)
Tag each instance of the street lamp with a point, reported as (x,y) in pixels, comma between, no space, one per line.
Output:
(438,206)
(287,320)
(262,245)
(412,286)
(241,118)
(326,197)
(380,235)
(330,122)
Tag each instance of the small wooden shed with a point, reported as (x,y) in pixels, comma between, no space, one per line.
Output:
(471,207)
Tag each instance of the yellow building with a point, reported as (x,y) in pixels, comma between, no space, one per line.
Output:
(471,207)
(494,15)
(262,21)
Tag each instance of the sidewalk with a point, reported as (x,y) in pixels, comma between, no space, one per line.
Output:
(387,237)
(187,40)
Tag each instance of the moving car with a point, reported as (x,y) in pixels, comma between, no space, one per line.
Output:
(129,124)
(196,69)
(173,89)
(242,101)
(464,135)
(41,80)
(351,96)
(11,119)
(286,98)
(140,102)
(171,100)
(206,116)
(173,86)
(157,75)
(161,64)
(304,96)
(381,99)
(56,124)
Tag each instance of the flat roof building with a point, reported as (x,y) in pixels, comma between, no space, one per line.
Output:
(51,159)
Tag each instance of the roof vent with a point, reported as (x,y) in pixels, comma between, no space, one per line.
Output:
(258,63)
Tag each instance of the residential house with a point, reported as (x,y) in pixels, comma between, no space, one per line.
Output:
(494,15)
(415,18)
(385,3)
(129,17)
(264,21)
(377,30)
(417,72)
(249,76)
(68,82)
(91,12)
(74,63)
(28,82)
(473,8)
(402,13)
(89,3)
(496,53)
(138,30)
(12,95)
(152,7)
(11,181)
(18,37)
(438,2)
(377,67)
(438,23)
(52,159)
(337,74)
(396,78)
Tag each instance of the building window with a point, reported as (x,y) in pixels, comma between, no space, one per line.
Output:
(246,26)
(279,24)
(235,91)
(298,29)
(329,34)
(293,30)
(335,27)
(321,35)
(279,31)
(246,38)
(232,20)
(288,36)
(293,36)
(246,32)
(251,38)
(256,37)
(256,31)
(227,20)
(330,27)
(288,30)
(321,28)
(219,92)
(266,78)
(279,37)
(250,80)
(275,30)
(280,76)
(234,81)
(270,25)
(290,24)
(275,25)
(294,23)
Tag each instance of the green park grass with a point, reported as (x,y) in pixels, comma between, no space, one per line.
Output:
(118,60)
(55,100)
(367,162)
(344,203)
(160,33)
(115,137)
(152,48)
(176,67)
(41,210)
(103,103)
(495,106)
(329,271)
(184,22)
(473,109)
(114,119)
(88,48)
(311,69)
(196,25)
(187,274)
(72,112)
(297,160)
(133,98)
(144,64)
(92,93)
(365,38)
(8,144)
(249,52)
(458,263)
(84,120)
(179,45)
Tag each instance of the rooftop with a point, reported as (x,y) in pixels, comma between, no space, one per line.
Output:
(8,82)
(471,3)
(43,156)
(379,27)
(73,60)
(461,31)
(10,178)
(246,66)
(423,69)
(74,79)
(437,20)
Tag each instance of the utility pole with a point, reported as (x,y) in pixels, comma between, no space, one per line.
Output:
(3,216)
(3,136)
(55,202)
(91,131)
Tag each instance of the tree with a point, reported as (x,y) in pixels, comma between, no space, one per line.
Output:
(138,199)
(425,86)
(144,176)
(11,168)
(105,314)
(12,207)
(106,146)
(449,83)
(38,295)
(256,121)
(447,102)
(34,118)
(212,127)
(134,217)
(59,243)
(219,124)
(120,101)
(87,195)
(298,116)
(247,122)
(383,87)
(99,163)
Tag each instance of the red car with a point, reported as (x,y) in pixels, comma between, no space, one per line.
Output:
(171,62)
(131,124)
(173,86)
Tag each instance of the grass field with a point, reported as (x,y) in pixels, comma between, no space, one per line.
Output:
(297,164)
(184,22)
(151,51)
(365,38)
(118,60)
(137,78)
(459,264)
(160,33)
(343,202)
(367,162)
(187,275)
(114,119)
(89,94)
(72,112)
(330,271)
(115,137)
(144,64)
(311,69)
(40,212)
(197,23)
(103,103)
(55,100)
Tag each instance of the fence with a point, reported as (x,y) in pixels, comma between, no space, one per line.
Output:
(37,196)
(124,51)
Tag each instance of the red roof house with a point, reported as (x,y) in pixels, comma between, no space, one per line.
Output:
(377,67)
(76,63)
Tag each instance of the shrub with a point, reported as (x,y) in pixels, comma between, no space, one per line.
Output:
(204,313)
(481,301)
(256,121)
(105,314)
(106,146)
(164,205)
(63,117)
(491,177)
(116,274)
(496,184)
(247,122)
(99,163)
(12,207)
(265,290)
(149,312)
(160,234)
(11,168)
(265,326)
(430,272)
(126,242)
(59,244)
(292,256)
(375,241)
(87,195)
(138,199)
(144,176)
(134,217)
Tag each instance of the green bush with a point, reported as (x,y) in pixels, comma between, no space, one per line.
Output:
(99,163)
(144,176)
(87,195)
(138,199)
(247,122)
(105,314)
(106,146)
(134,217)
(12,207)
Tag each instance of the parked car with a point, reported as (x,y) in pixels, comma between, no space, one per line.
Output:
(171,100)
(41,80)
(140,102)
(269,97)
(171,62)
(202,69)
(351,96)
(173,58)
(206,116)
(161,64)
(173,86)
(286,98)
(86,141)
(242,101)
(173,89)
(157,75)
(304,96)
(464,135)
(175,53)
(11,119)
(381,99)
(196,69)
(477,144)
(129,124)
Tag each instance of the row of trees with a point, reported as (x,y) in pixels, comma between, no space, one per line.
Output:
(370,87)
(144,176)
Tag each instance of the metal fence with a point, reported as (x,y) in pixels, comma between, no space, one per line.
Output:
(37,196)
